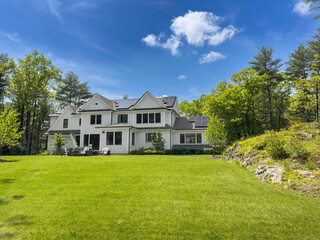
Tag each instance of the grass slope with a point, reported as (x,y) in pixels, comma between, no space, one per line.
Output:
(146,197)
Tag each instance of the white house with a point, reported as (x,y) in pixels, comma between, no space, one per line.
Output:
(127,124)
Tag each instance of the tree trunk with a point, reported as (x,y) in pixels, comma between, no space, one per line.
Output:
(270,108)
(28,132)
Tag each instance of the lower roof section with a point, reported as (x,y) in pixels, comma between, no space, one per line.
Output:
(63,132)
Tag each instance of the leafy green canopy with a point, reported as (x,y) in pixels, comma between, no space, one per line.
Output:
(9,128)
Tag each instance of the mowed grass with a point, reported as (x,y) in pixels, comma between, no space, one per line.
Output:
(146,197)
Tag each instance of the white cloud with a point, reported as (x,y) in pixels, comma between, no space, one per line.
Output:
(301,8)
(182,77)
(172,43)
(198,28)
(13,37)
(54,5)
(83,4)
(211,57)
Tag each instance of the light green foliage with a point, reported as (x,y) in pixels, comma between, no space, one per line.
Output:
(70,91)
(9,126)
(215,134)
(147,197)
(158,141)
(276,147)
(58,143)
(30,94)
(193,109)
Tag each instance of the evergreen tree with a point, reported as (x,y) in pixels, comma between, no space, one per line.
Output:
(71,92)
(298,69)
(264,64)
(6,68)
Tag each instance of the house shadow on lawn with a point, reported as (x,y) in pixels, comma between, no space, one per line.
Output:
(18,220)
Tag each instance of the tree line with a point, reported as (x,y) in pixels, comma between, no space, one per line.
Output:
(31,88)
(268,95)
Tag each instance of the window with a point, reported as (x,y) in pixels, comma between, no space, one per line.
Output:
(149,137)
(158,117)
(123,118)
(145,118)
(79,121)
(118,138)
(133,138)
(182,140)
(114,138)
(199,138)
(86,140)
(109,138)
(95,119)
(78,140)
(139,118)
(190,138)
(151,117)
(98,119)
(65,123)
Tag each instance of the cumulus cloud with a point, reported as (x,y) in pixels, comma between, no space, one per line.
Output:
(211,57)
(181,77)
(197,28)
(302,8)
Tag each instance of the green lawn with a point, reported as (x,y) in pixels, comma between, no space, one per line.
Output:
(146,197)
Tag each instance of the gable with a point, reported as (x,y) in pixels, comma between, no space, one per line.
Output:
(66,113)
(148,101)
(96,103)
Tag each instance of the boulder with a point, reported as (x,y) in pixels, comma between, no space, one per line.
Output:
(270,173)
(306,174)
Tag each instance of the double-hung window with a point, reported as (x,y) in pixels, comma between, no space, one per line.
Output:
(65,123)
(123,118)
(95,119)
(114,138)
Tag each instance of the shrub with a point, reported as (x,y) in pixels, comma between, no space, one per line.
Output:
(140,151)
(14,150)
(296,149)
(207,150)
(58,143)
(150,152)
(275,147)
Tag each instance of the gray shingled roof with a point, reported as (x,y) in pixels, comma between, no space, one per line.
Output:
(74,108)
(52,132)
(199,122)
(183,123)
(107,101)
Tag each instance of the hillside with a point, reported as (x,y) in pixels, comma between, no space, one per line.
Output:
(289,158)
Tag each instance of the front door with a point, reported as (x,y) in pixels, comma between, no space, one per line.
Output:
(95,141)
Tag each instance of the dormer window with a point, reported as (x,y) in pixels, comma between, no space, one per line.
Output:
(123,118)
(65,123)
(95,119)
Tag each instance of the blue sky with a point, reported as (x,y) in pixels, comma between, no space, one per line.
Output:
(177,48)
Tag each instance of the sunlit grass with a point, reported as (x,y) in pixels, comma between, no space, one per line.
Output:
(146,197)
